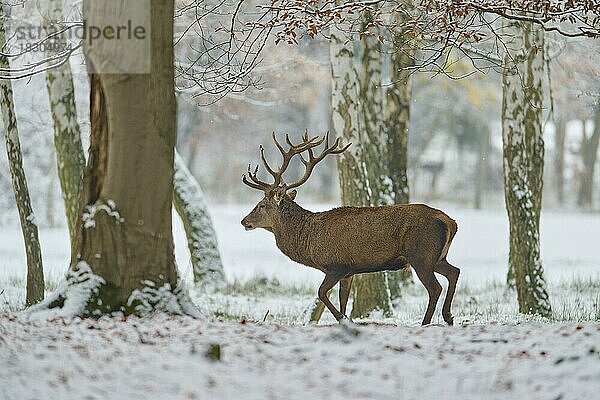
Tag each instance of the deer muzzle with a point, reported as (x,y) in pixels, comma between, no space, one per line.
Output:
(247,225)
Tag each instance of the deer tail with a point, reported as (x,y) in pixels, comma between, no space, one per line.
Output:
(451,228)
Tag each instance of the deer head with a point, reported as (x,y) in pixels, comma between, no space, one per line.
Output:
(267,210)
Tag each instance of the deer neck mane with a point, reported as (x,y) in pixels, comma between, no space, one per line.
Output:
(290,233)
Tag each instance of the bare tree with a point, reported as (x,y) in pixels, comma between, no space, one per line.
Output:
(523,77)
(35,270)
(589,154)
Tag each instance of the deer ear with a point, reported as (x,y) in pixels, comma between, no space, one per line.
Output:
(292,194)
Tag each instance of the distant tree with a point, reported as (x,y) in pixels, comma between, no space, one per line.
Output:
(35,270)
(574,94)
(522,104)
(589,155)
(560,135)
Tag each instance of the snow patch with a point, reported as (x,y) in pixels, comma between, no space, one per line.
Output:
(79,286)
(151,299)
(91,211)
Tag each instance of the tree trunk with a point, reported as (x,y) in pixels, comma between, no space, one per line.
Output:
(122,257)
(560,133)
(35,270)
(347,121)
(396,122)
(374,139)
(202,239)
(589,153)
(67,135)
(523,164)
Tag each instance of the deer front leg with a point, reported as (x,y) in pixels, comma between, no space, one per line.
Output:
(332,277)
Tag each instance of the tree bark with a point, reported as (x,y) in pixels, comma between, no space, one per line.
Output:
(589,154)
(122,258)
(523,163)
(67,135)
(397,113)
(35,270)
(202,239)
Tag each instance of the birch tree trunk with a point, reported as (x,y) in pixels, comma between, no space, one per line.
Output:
(523,163)
(589,154)
(122,257)
(67,135)
(202,239)
(35,270)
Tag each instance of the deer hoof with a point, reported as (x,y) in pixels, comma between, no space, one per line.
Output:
(449,319)
(345,321)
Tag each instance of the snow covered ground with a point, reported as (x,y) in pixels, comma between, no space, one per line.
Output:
(176,358)
(493,352)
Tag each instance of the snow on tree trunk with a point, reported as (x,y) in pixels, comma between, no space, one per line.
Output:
(35,270)
(396,124)
(67,136)
(122,258)
(523,162)
(202,239)
(589,153)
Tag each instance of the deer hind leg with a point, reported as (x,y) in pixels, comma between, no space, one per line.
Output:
(451,273)
(434,289)
(332,277)
(345,285)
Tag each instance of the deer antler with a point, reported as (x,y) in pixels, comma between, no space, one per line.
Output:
(312,160)
(308,143)
(254,181)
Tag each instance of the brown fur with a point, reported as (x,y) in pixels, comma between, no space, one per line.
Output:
(349,240)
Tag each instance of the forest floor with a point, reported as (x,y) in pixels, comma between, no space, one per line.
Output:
(167,357)
(257,322)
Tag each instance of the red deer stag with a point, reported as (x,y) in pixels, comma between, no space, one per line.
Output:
(352,240)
